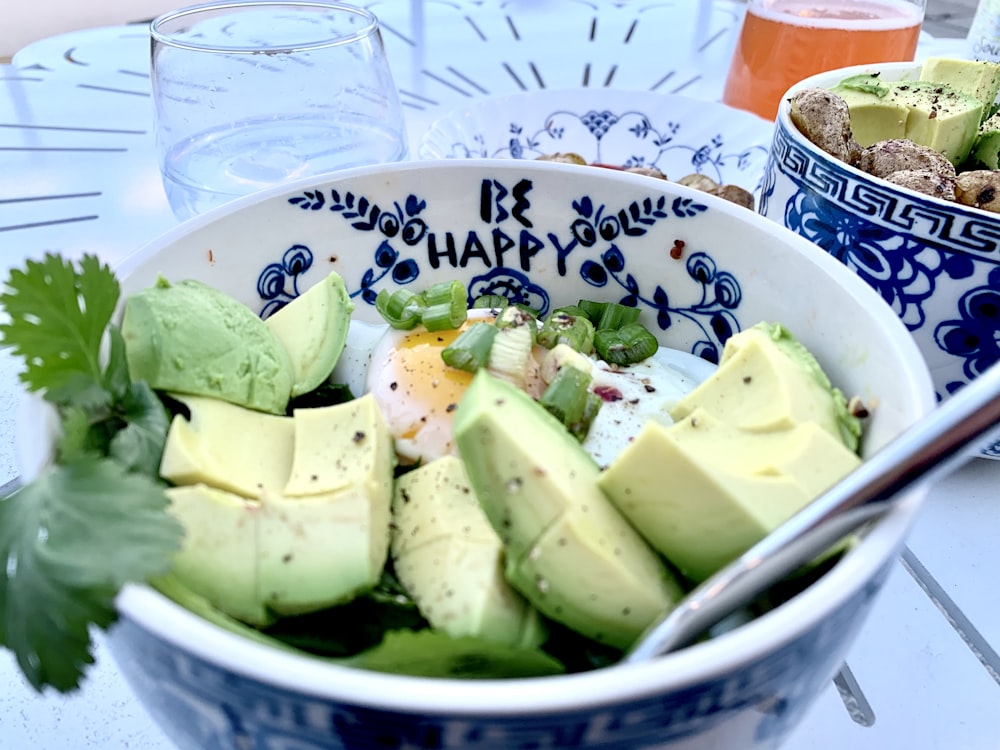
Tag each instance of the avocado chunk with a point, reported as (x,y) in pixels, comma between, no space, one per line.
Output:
(315,537)
(568,551)
(875,116)
(767,381)
(979,79)
(702,491)
(940,117)
(218,557)
(931,114)
(313,330)
(191,338)
(326,537)
(986,150)
(450,559)
(220,444)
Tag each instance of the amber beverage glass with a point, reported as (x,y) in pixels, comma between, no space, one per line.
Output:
(783,41)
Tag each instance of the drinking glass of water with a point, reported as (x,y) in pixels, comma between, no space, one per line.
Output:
(784,41)
(252,94)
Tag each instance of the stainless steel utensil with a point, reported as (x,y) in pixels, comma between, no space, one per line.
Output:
(935,445)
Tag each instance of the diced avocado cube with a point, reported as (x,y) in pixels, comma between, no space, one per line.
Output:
(218,557)
(940,117)
(875,116)
(977,78)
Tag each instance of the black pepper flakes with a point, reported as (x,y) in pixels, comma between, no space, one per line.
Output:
(358,436)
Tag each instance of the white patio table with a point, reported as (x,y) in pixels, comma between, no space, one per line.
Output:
(78,175)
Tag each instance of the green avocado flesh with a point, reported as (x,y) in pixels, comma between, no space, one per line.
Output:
(191,338)
(569,552)
(450,559)
(297,526)
(753,444)
(313,330)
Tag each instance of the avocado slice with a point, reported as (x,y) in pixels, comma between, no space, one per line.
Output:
(569,552)
(296,543)
(218,557)
(228,447)
(450,559)
(767,381)
(191,338)
(325,538)
(313,329)
(702,491)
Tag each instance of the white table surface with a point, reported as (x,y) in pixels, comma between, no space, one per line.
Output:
(78,175)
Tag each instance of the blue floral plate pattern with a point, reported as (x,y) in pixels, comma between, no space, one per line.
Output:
(676,134)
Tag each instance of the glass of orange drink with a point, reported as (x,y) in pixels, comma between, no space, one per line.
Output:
(784,41)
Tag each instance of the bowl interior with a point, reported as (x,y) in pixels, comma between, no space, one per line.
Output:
(548,234)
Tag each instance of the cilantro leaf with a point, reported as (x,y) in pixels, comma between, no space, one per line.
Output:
(70,540)
(139,445)
(58,317)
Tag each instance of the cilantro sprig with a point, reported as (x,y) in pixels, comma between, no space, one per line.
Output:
(96,518)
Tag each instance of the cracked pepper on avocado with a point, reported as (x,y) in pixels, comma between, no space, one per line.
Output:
(507,496)
(939,135)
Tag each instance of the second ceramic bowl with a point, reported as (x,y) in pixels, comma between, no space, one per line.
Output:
(677,134)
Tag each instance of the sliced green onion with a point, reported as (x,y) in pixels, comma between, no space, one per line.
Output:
(471,350)
(401,309)
(562,327)
(516,317)
(581,427)
(491,301)
(566,396)
(629,344)
(446,305)
(593,310)
(614,316)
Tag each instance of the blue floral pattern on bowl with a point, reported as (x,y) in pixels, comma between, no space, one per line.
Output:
(201,705)
(677,135)
(698,269)
(405,243)
(936,264)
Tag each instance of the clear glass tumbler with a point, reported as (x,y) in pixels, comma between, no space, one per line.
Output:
(784,41)
(251,94)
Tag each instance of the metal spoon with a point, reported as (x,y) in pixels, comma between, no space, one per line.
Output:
(934,446)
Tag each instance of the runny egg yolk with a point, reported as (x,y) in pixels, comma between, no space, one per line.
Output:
(416,391)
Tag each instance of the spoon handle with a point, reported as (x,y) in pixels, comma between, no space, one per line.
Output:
(934,446)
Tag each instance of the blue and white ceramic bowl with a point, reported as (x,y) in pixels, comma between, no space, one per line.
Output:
(937,263)
(677,134)
(546,234)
